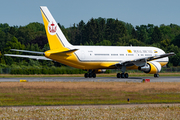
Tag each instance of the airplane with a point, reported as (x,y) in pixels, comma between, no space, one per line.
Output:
(96,59)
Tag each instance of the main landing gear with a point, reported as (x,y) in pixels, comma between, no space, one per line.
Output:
(122,75)
(156,75)
(90,75)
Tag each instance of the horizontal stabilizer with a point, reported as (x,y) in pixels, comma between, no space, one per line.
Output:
(68,52)
(28,56)
(60,53)
(42,53)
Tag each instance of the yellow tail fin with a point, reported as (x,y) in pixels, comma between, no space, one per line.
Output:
(56,38)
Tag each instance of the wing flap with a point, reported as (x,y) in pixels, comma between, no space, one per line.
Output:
(143,61)
(161,56)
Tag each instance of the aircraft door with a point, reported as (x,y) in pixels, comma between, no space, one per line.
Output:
(82,55)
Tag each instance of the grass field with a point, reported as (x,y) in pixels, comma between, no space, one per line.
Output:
(78,93)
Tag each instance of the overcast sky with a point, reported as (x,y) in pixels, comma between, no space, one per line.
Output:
(68,12)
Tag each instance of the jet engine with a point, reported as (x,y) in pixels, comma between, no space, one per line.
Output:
(151,67)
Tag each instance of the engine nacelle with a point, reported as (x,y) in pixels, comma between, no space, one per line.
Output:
(100,71)
(151,67)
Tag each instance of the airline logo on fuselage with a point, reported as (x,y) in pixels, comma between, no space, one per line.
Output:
(155,51)
(52,28)
(129,51)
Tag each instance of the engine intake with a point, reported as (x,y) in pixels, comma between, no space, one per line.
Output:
(145,68)
(151,67)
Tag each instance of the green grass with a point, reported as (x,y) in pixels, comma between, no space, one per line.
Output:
(63,93)
(16,99)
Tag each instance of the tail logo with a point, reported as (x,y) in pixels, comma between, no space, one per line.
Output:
(52,28)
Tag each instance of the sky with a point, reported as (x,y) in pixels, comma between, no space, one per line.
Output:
(68,12)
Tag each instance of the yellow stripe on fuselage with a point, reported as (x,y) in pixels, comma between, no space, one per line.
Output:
(73,61)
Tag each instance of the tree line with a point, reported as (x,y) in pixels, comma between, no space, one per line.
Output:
(100,31)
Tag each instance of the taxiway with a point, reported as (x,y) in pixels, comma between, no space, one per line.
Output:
(98,79)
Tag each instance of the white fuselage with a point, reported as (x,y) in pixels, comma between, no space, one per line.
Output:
(116,53)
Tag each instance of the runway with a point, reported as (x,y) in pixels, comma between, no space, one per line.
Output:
(98,79)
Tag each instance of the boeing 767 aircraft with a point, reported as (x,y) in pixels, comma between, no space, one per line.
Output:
(97,59)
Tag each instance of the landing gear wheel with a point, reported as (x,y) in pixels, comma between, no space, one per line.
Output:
(90,75)
(126,75)
(118,75)
(122,75)
(94,75)
(86,75)
(156,75)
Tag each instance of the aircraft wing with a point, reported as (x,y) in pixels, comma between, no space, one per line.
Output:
(143,61)
(28,56)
